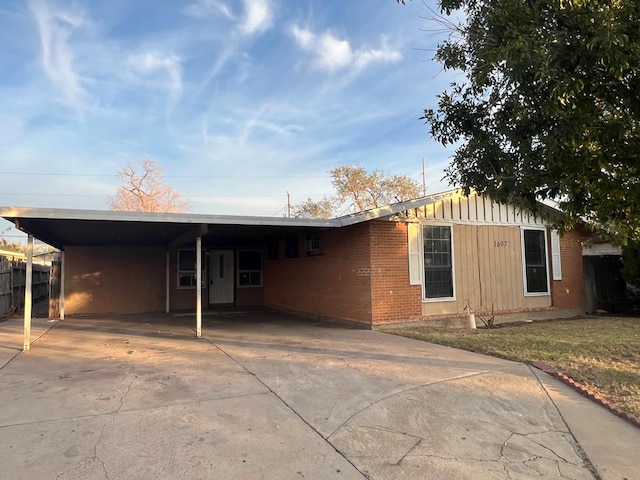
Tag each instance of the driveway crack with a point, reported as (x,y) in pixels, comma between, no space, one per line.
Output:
(284,402)
(401,392)
(112,417)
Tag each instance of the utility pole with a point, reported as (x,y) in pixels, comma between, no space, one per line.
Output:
(424,188)
(288,205)
(424,180)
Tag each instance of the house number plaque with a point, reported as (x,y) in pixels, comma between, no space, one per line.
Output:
(500,243)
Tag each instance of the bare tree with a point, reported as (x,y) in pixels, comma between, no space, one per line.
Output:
(358,190)
(310,209)
(143,189)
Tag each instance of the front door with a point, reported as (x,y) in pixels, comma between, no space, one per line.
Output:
(221,280)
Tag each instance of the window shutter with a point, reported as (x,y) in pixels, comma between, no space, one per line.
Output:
(555,255)
(415,272)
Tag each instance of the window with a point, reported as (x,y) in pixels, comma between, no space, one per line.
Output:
(314,244)
(249,268)
(438,262)
(187,268)
(535,262)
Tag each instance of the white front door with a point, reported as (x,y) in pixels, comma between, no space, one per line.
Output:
(221,278)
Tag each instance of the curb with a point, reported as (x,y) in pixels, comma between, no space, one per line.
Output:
(583,390)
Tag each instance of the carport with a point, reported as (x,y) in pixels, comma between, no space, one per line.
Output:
(68,228)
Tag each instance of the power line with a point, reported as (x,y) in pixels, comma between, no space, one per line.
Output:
(39,194)
(104,175)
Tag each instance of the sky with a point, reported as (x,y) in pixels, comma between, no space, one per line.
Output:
(239,101)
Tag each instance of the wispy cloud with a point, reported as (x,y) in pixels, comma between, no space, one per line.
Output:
(332,53)
(258,16)
(150,63)
(205,8)
(55,28)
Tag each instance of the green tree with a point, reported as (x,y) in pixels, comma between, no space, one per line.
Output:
(358,190)
(143,189)
(550,105)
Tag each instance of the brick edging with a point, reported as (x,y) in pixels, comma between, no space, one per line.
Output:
(582,389)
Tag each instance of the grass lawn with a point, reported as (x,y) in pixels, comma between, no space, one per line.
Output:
(603,353)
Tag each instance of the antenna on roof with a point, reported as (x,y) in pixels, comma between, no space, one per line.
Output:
(424,181)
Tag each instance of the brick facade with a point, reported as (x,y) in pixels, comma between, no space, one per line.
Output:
(393,299)
(334,282)
(361,274)
(570,292)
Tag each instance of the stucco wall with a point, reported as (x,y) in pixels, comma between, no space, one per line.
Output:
(335,282)
(114,279)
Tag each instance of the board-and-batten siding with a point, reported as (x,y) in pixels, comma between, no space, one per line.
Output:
(487,256)
(478,209)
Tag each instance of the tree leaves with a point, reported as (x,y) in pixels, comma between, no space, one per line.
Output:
(550,107)
(358,190)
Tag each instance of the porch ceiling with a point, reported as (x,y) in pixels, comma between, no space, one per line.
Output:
(62,228)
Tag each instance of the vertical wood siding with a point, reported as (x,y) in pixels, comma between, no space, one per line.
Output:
(487,256)
(488,273)
(478,209)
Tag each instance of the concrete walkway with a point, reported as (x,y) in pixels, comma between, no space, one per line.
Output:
(272,396)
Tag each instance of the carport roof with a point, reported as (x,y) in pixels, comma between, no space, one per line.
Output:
(69,227)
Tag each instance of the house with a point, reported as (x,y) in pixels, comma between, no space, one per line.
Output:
(429,259)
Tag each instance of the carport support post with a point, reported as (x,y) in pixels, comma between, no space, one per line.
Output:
(166,280)
(62,260)
(198,286)
(28,294)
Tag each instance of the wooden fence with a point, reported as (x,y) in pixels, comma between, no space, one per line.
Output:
(13,277)
(6,292)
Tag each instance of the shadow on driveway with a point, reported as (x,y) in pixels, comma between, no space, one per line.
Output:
(266,395)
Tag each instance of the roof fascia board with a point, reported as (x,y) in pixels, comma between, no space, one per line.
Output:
(391,209)
(10,213)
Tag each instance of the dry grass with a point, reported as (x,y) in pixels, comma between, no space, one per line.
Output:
(602,353)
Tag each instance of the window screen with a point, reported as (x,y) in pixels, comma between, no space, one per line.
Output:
(535,258)
(438,264)
(249,268)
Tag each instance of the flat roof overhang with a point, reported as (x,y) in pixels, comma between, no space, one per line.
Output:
(69,227)
(65,227)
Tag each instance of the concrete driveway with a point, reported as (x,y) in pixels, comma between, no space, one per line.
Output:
(270,396)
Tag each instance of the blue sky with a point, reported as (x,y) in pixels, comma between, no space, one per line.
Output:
(239,101)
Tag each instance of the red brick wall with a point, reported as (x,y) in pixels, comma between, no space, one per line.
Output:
(335,283)
(569,292)
(393,299)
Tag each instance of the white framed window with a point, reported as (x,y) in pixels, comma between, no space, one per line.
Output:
(249,268)
(535,261)
(187,268)
(431,260)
